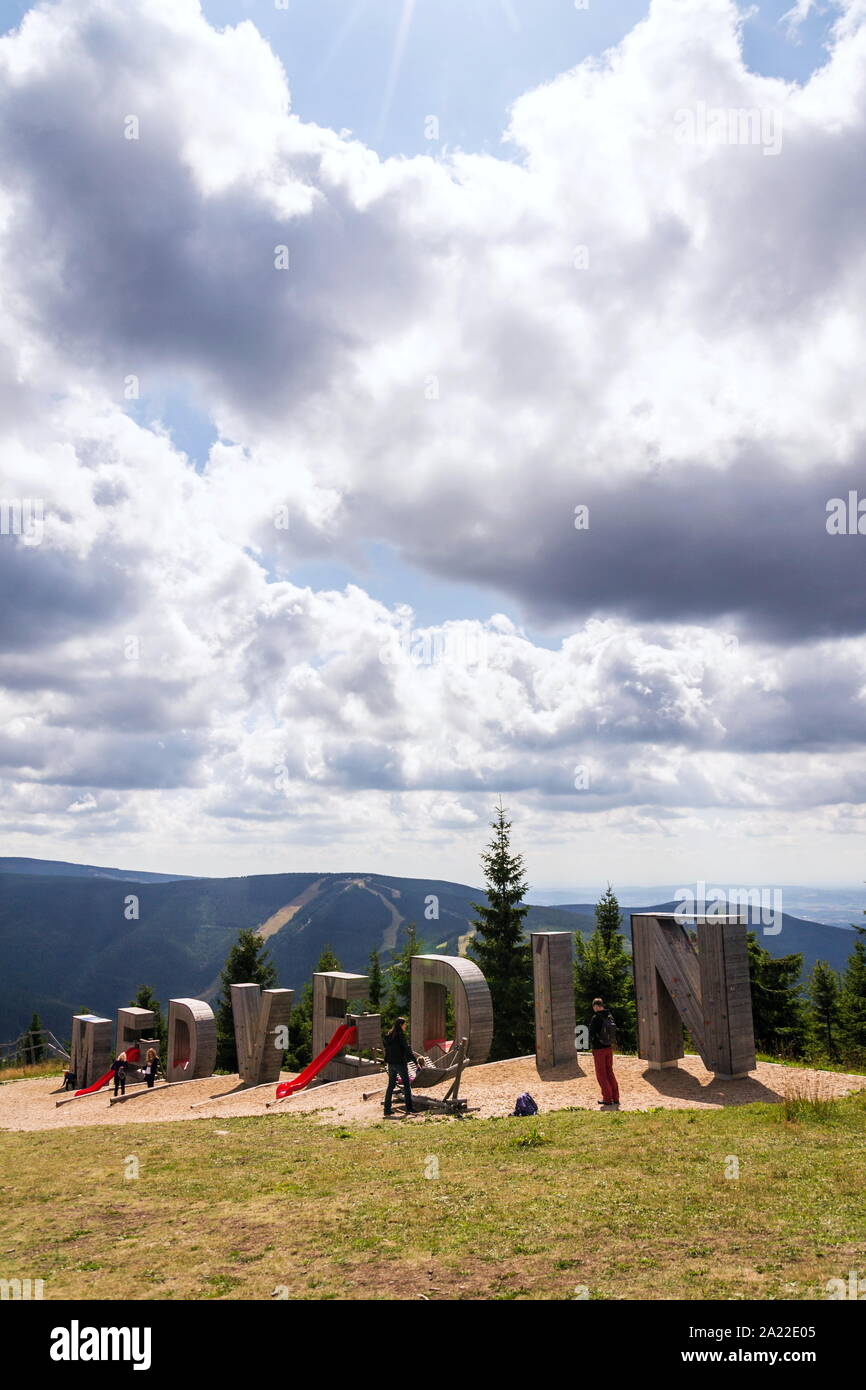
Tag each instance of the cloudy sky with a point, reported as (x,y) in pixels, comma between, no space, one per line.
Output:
(407,403)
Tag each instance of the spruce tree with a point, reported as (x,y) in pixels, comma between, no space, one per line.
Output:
(248,962)
(781,1024)
(608,918)
(500,948)
(34,1047)
(823,991)
(852,1000)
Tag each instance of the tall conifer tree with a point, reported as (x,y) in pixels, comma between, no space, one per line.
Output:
(34,1045)
(778,1011)
(500,948)
(852,1000)
(824,997)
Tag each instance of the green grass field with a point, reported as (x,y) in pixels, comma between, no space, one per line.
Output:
(629,1205)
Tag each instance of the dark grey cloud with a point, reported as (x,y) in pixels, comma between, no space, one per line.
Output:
(131,268)
(50,595)
(747,545)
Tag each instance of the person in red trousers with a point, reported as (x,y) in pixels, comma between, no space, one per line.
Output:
(602,1036)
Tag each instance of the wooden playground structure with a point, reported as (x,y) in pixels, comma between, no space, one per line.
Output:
(697,979)
(449,1068)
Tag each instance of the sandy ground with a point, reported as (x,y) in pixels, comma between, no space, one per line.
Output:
(490,1090)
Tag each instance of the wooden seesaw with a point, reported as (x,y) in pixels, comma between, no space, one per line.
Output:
(448,1068)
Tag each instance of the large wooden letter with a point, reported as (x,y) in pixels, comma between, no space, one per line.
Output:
(257,1015)
(91,1048)
(707,990)
(135,1028)
(553,979)
(332,991)
(192,1040)
(433,977)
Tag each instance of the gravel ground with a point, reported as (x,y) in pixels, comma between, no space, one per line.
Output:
(490,1090)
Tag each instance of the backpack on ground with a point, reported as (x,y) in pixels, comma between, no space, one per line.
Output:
(525,1105)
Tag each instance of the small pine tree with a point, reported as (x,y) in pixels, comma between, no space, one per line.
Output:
(823,991)
(248,962)
(780,1019)
(500,948)
(34,1047)
(608,918)
(146,999)
(852,999)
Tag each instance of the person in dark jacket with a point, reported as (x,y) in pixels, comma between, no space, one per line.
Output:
(151,1067)
(118,1066)
(602,1031)
(398,1055)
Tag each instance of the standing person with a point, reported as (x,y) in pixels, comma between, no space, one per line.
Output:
(118,1066)
(151,1067)
(398,1055)
(602,1036)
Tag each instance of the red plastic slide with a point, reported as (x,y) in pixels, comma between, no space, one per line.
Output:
(345,1034)
(132,1055)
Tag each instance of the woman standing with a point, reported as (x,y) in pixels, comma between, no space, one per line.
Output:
(398,1055)
(118,1066)
(151,1067)
(602,1036)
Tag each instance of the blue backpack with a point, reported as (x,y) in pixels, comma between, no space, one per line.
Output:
(525,1105)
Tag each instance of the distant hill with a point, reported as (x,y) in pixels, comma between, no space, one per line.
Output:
(837,907)
(66,943)
(56,868)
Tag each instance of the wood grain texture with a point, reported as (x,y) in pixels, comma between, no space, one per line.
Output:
(739,1000)
(707,988)
(257,1014)
(369,1028)
(332,991)
(553,988)
(192,1038)
(659,1026)
(131,1025)
(90,1050)
(434,976)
